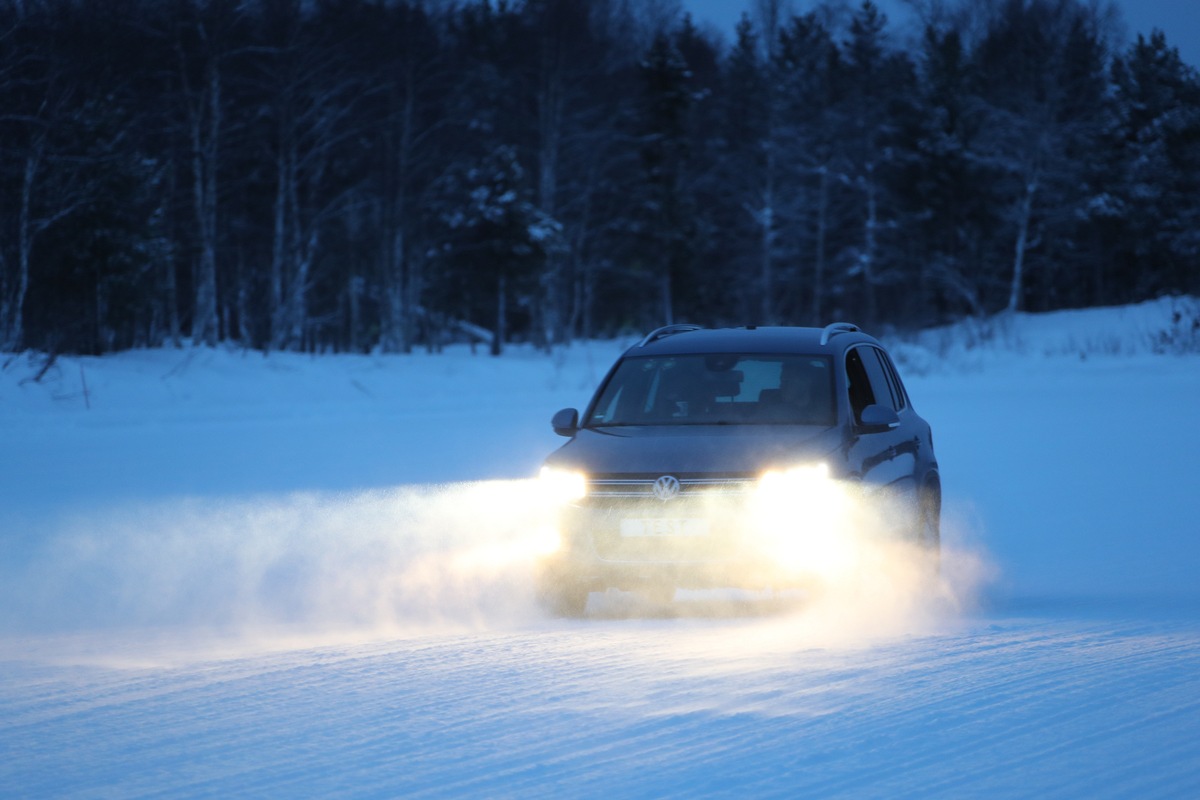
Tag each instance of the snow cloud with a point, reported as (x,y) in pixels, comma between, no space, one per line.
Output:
(311,568)
(421,555)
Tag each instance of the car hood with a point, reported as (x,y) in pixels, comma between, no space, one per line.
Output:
(694,449)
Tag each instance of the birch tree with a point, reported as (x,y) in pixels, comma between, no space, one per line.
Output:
(808,68)
(1028,124)
(413,70)
(204,42)
(310,100)
(42,107)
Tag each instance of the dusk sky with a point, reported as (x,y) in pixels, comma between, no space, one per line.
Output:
(1179,19)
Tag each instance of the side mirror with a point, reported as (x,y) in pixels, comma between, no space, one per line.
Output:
(565,422)
(876,419)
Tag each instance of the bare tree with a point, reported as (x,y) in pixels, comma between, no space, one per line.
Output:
(412,72)
(1032,117)
(202,45)
(310,96)
(50,187)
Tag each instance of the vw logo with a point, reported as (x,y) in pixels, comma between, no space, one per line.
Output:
(666,487)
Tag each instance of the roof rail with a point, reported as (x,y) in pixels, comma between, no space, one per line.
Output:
(834,328)
(667,330)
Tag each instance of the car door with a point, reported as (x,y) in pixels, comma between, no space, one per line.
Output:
(884,459)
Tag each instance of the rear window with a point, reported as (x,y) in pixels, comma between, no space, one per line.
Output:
(717,389)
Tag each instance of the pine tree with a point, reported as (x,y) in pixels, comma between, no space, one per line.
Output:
(497,240)
(808,70)
(876,81)
(945,184)
(1158,138)
(664,214)
(747,174)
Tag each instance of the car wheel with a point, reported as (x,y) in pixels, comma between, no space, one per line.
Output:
(565,601)
(928,529)
(560,593)
(658,595)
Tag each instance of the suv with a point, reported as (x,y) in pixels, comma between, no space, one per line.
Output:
(734,457)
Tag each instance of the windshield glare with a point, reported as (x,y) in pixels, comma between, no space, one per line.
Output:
(718,389)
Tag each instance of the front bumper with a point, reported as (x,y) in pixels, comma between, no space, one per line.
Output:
(728,538)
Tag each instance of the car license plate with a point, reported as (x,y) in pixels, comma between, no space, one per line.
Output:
(663,526)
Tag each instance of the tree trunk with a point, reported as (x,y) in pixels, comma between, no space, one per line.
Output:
(25,236)
(550,112)
(767,243)
(279,258)
(501,311)
(399,305)
(867,260)
(393,337)
(818,287)
(204,165)
(302,252)
(298,307)
(668,310)
(172,277)
(1018,277)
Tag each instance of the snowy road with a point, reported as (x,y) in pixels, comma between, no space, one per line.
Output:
(1019,706)
(180,618)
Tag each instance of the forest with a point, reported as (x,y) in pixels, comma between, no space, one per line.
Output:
(381,175)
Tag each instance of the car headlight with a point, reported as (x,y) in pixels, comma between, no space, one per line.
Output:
(563,485)
(787,483)
(802,519)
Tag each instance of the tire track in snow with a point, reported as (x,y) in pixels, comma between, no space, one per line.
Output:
(1060,690)
(643,707)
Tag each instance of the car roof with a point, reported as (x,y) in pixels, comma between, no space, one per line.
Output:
(679,340)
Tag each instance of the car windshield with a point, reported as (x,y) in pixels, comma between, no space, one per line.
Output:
(718,389)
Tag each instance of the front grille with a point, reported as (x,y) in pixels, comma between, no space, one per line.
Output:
(719,500)
(642,488)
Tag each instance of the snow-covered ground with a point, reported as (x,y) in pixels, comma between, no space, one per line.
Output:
(229,574)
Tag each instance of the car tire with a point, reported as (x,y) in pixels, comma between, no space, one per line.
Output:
(927,531)
(663,595)
(560,593)
(569,602)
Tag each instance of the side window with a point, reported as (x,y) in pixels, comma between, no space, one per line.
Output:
(858,384)
(880,389)
(606,412)
(898,392)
